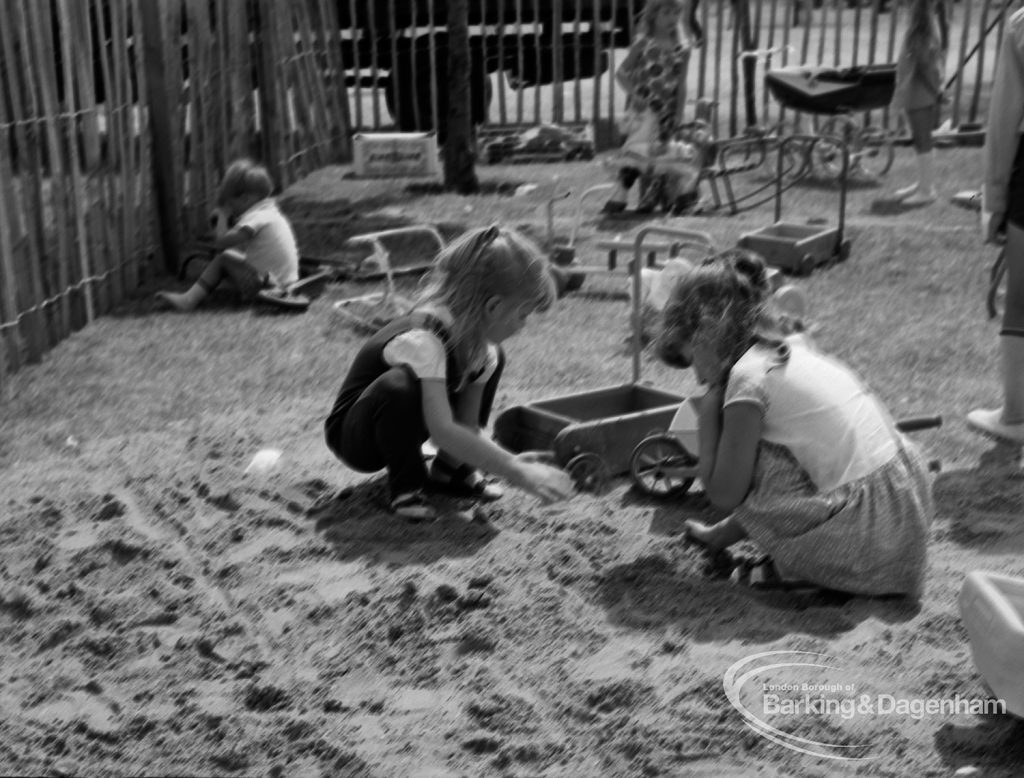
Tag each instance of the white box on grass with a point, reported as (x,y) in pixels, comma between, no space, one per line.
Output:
(395,155)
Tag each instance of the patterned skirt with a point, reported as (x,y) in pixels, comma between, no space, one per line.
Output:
(865,537)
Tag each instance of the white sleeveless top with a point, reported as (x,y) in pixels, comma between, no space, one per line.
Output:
(818,409)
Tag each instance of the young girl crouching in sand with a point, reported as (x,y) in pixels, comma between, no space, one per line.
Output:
(791,442)
(433,373)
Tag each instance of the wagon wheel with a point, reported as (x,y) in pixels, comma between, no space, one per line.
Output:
(807,265)
(653,464)
(589,473)
(874,151)
(826,156)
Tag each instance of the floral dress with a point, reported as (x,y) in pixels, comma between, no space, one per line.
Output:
(654,72)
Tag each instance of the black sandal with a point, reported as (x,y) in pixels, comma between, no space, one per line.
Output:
(462,481)
(761,575)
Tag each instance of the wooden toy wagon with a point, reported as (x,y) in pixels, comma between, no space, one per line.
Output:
(800,248)
(593,434)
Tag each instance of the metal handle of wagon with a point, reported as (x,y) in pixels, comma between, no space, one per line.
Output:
(638,248)
(766,53)
(844,171)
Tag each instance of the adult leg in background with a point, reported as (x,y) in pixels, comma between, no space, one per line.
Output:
(1007,421)
(922,123)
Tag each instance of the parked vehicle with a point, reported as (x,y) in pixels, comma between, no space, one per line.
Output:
(398,45)
(545,142)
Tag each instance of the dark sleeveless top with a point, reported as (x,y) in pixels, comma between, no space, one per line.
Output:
(370,364)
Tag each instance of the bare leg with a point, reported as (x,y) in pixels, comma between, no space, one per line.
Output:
(715,537)
(186,301)
(921,192)
(1007,421)
(230,265)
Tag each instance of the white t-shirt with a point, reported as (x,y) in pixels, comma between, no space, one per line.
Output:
(815,407)
(424,353)
(272,249)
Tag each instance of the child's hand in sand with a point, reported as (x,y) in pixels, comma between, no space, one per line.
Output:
(548,483)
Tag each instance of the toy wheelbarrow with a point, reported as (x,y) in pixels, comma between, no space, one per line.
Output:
(593,434)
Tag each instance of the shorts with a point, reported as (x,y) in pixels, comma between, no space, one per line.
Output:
(1015,190)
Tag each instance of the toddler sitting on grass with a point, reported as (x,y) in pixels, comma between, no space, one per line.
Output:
(258,249)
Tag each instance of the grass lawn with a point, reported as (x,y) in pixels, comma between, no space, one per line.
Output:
(166,613)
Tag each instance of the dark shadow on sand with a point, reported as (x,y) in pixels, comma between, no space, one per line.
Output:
(683,586)
(984,504)
(994,745)
(673,589)
(357,523)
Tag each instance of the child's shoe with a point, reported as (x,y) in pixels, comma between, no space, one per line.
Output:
(414,507)
(462,481)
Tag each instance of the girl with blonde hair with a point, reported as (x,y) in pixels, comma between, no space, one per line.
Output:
(434,372)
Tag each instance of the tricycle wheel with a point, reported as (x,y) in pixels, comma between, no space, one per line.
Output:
(653,464)
(589,473)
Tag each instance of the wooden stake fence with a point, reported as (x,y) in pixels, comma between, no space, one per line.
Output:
(117,118)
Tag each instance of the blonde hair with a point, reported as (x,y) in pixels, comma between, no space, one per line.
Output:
(481,264)
(244,177)
(722,303)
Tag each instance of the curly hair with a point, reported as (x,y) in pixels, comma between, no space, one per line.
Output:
(481,264)
(724,304)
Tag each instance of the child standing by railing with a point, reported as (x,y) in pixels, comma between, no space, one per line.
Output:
(653,75)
